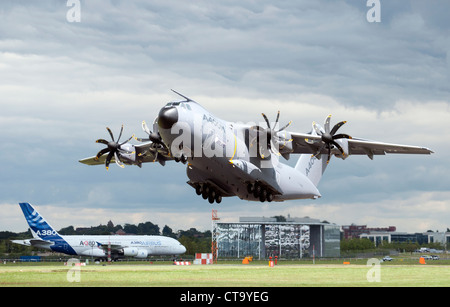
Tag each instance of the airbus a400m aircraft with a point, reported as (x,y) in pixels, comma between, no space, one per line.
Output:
(227,159)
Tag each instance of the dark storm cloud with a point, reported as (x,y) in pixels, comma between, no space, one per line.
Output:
(63,82)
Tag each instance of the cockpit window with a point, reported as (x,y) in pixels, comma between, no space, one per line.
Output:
(170,104)
(183,104)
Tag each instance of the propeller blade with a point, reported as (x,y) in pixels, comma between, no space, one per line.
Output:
(145,128)
(120,134)
(156,156)
(276,121)
(102,141)
(108,159)
(319,151)
(127,140)
(316,128)
(267,120)
(327,124)
(338,147)
(329,154)
(118,162)
(274,148)
(287,125)
(101,153)
(142,140)
(110,133)
(336,127)
(341,136)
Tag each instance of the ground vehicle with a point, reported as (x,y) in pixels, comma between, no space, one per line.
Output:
(387,258)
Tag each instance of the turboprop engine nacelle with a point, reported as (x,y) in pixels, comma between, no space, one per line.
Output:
(344,144)
(245,166)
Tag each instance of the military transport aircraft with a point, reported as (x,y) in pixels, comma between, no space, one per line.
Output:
(227,159)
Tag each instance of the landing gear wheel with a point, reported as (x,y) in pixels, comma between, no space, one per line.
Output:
(263,195)
(212,196)
(256,190)
(205,192)
(250,187)
(218,198)
(198,189)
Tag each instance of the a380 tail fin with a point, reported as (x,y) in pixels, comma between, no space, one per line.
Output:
(38,224)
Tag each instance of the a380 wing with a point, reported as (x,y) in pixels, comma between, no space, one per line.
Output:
(113,247)
(307,143)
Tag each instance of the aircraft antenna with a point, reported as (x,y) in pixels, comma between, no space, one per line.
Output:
(185,97)
(214,233)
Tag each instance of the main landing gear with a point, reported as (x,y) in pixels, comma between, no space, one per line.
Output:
(260,191)
(208,192)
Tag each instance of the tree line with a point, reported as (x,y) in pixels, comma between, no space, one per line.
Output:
(364,245)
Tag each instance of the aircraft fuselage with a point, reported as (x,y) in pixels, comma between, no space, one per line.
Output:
(228,159)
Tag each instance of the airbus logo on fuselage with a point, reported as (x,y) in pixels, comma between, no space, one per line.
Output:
(88,243)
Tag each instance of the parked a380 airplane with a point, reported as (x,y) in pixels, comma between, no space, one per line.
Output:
(96,246)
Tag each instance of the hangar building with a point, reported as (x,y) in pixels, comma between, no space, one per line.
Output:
(262,237)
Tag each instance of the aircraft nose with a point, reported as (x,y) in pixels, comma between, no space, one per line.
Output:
(179,249)
(167,117)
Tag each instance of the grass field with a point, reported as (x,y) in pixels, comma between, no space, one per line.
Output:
(224,275)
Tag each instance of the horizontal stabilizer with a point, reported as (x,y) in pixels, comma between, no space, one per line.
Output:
(33,242)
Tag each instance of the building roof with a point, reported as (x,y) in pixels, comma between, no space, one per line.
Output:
(273,221)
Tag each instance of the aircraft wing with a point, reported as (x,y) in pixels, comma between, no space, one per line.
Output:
(366,147)
(307,143)
(93,161)
(33,242)
(114,247)
(149,157)
(146,152)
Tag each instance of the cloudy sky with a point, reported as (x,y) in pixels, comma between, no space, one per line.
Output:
(63,82)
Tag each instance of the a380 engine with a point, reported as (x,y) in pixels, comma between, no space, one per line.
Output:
(135,252)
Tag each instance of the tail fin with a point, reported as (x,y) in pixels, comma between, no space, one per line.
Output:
(38,224)
(312,167)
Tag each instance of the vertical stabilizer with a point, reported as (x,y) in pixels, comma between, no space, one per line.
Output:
(38,224)
(312,167)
